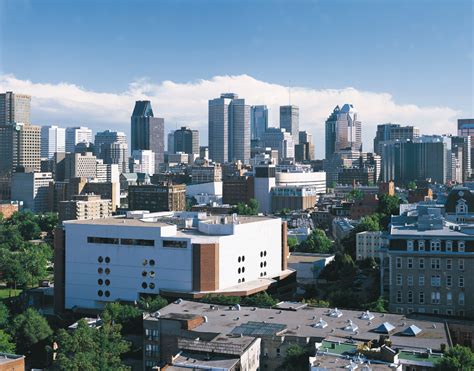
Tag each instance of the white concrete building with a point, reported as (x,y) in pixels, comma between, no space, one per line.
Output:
(205,193)
(369,245)
(302,178)
(53,139)
(179,254)
(76,135)
(142,161)
(32,189)
(264,181)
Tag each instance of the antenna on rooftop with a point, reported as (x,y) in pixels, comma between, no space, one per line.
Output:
(289,92)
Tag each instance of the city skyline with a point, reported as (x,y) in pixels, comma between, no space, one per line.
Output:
(390,75)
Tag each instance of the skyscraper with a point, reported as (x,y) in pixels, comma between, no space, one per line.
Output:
(53,140)
(464,145)
(258,121)
(76,135)
(290,121)
(170,147)
(280,140)
(19,148)
(148,132)
(112,147)
(393,132)
(304,151)
(229,129)
(343,130)
(466,129)
(186,140)
(14,108)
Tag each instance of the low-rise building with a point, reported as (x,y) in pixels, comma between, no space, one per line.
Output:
(238,189)
(12,362)
(8,208)
(82,207)
(206,173)
(370,245)
(157,197)
(294,197)
(174,254)
(430,260)
(341,227)
(193,327)
(308,266)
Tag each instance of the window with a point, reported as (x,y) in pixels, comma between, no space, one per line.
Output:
(399,279)
(461,246)
(144,285)
(137,242)
(410,263)
(410,280)
(152,286)
(175,244)
(461,281)
(399,262)
(152,262)
(461,298)
(461,207)
(435,297)
(421,298)
(449,281)
(278,352)
(410,245)
(421,263)
(100,270)
(449,246)
(152,334)
(449,264)
(107,294)
(107,282)
(436,280)
(421,245)
(399,296)
(421,281)
(100,281)
(461,264)
(103,240)
(100,259)
(449,298)
(107,271)
(152,350)
(107,260)
(449,312)
(410,297)
(435,245)
(100,293)
(435,263)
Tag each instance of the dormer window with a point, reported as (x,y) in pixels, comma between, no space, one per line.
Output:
(461,246)
(461,207)
(449,246)
(435,245)
(410,245)
(421,245)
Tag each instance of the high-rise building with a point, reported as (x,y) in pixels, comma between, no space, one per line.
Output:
(170,147)
(19,149)
(290,121)
(258,121)
(304,151)
(157,197)
(32,189)
(14,108)
(466,129)
(76,135)
(343,130)
(264,181)
(85,207)
(148,132)
(280,140)
(80,165)
(105,138)
(112,147)
(142,161)
(423,158)
(229,129)
(186,141)
(464,143)
(53,140)
(393,132)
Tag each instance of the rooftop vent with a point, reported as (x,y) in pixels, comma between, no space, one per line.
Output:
(367,316)
(320,324)
(178,301)
(335,313)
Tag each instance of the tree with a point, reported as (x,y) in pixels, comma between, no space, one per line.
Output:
(29,230)
(342,266)
(296,358)
(317,242)
(6,344)
(389,205)
(152,304)
(4,315)
(457,358)
(380,305)
(262,300)
(355,195)
(292,243)
(247,209)
(411,186)
(30,329)
(129,316)
(47,222)
(89,348)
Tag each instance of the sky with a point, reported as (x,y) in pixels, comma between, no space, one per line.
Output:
(86,62)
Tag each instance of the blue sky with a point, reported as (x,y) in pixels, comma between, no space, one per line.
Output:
(420,52)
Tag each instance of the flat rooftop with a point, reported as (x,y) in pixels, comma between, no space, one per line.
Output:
(301,322)
(307,257)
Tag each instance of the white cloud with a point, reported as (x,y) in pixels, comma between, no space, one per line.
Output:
(186,104)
